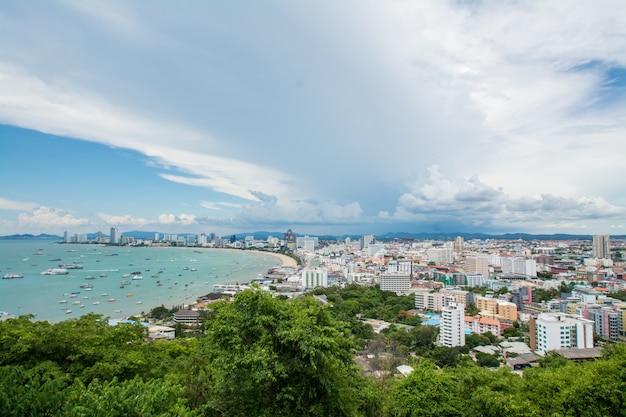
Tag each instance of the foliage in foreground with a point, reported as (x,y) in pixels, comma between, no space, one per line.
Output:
(265,356)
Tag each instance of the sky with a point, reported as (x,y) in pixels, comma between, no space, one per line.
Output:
(326,117)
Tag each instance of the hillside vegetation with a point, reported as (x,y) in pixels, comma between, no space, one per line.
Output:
(265,356)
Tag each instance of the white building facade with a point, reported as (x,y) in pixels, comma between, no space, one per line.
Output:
(452,326)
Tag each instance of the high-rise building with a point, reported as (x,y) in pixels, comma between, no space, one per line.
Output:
(601,248)
(398,282)
(551,331)
(114,236)
(66,237)
(477,265)
(313,278)
(452,326)
(366,240)
(458,244)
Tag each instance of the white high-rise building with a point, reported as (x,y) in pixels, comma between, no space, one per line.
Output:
(313,278)
(560,331)
(114,237)
(601,248)
(452,326)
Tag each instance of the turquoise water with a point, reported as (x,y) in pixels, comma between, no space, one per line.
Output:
(184,274)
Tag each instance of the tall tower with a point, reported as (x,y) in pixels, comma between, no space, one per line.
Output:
(114,237)
(601,248)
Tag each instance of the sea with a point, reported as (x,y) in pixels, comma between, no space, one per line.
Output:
(117,282)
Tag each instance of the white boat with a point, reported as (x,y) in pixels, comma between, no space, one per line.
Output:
(12,275)
(55,271)
(96,303)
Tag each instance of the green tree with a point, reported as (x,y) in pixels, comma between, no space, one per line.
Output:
(264,356)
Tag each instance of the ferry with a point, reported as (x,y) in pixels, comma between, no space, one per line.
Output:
(12,275)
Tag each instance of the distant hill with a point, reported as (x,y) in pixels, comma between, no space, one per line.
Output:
(31,237)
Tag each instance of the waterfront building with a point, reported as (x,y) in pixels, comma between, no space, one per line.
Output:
(452,328)
(114,236)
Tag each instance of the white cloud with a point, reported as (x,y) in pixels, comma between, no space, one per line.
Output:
(181,219)
(47,218)
(315,126)
(123,220)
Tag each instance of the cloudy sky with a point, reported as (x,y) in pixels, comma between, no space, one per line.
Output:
(321,116)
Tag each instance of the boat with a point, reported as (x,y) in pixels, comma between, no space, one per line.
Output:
(103,275)
(76,302)
(138,302)
(125,282)
(68,311)
(90,277)
(136,273)
(154,275)
(117,311)
(194,269)
(138,277)
(12,275)
(125,275)
(111,300)
(63,302)
(71,266)
(96,303)
(104,294)
(55,271)
(86,285)
(129,295)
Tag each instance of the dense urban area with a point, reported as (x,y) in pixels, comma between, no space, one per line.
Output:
(399,327)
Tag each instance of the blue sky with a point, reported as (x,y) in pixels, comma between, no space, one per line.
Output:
(323,117)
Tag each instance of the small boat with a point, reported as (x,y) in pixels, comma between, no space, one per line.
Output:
(68,311)
(63,302)
(76,302)
(86,285)
(194,269)
(90,277)
(129,295)
(104,294)
(111,300)
(125,282)
(103,275)
(138,277)
(12,275)
(138,302)
(125,275)
(117,311)
(96,303)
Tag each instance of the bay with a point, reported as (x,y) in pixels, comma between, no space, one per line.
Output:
(166,276)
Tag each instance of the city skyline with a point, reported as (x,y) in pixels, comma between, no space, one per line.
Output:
(325,118)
